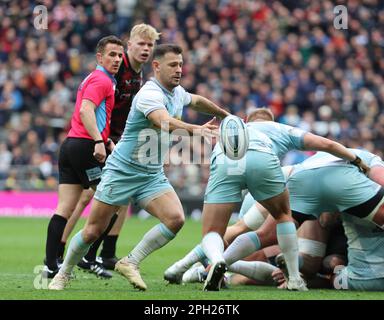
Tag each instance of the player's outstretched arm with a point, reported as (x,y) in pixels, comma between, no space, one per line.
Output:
(161,119)
(202,104)
(317,143)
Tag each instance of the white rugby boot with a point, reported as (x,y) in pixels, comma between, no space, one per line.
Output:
(195,274)
(60,281)
(296,284)
(131,272)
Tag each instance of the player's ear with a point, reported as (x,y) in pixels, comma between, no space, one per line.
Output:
(99,58)
(156,65)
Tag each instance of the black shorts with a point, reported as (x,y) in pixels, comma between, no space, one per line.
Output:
(301,217)
(77,165)
(364,209)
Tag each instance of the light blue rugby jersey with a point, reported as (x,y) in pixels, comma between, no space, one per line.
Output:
(369,158)
(324,159)
(272,137)
(326,190)
(365,240)
(365,248)
(142,145)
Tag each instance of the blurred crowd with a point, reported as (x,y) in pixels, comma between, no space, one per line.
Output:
(242,54)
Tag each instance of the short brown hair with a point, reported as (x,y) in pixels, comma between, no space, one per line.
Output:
(163,49)
(261,114)
(104,41)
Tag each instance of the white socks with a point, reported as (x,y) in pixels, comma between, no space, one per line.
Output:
(256,270)
(154,239)
(195,255)
(287,239)
(76,250)
(213,247)
(242,247)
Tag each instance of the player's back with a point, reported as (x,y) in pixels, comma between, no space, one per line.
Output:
(258,141)
(326,183)
(271,137)
(369,158)
(283,137)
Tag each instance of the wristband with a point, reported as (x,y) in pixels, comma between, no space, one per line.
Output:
(356,162)
(99,141)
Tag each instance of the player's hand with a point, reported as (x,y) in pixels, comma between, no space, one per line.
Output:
(110,145)
(209,129)
(99,152)
(278,277)
(360,164)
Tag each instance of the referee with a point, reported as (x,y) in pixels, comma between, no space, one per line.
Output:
(83,153)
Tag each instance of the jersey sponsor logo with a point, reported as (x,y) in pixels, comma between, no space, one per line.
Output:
(340,281)
(132,81)
(126,96)
(93,173)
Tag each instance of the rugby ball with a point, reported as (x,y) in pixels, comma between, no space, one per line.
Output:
(234,138)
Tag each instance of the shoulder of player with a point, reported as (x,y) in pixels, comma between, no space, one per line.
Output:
(150,86)
(179,89)
(264,125)
(98,80)
(291,130)
(100,76)
(126,68)
(150,91)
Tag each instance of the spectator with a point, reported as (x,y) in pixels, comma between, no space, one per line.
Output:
(5,160)
(11,100)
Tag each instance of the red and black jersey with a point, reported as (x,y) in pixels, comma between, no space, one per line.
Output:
(128,84)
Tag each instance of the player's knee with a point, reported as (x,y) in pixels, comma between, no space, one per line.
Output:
(175,221)
(266,238)
(331,261)
(84,201)
(65,210)
(91,233)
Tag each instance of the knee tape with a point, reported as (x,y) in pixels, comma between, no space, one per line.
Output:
(311,247)
(253,219)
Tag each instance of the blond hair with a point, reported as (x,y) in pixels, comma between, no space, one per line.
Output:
(261,114)
(145,31)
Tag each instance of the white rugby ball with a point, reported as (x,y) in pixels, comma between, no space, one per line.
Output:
(234,138)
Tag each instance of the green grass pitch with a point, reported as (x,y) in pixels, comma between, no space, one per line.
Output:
(22,244)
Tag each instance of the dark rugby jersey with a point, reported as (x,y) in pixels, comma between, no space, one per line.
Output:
(128,84)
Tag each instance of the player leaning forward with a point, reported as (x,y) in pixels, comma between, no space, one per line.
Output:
(259,171)
(129,175)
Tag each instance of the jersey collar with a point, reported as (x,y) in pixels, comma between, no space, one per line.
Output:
(171,93)
(110,75)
